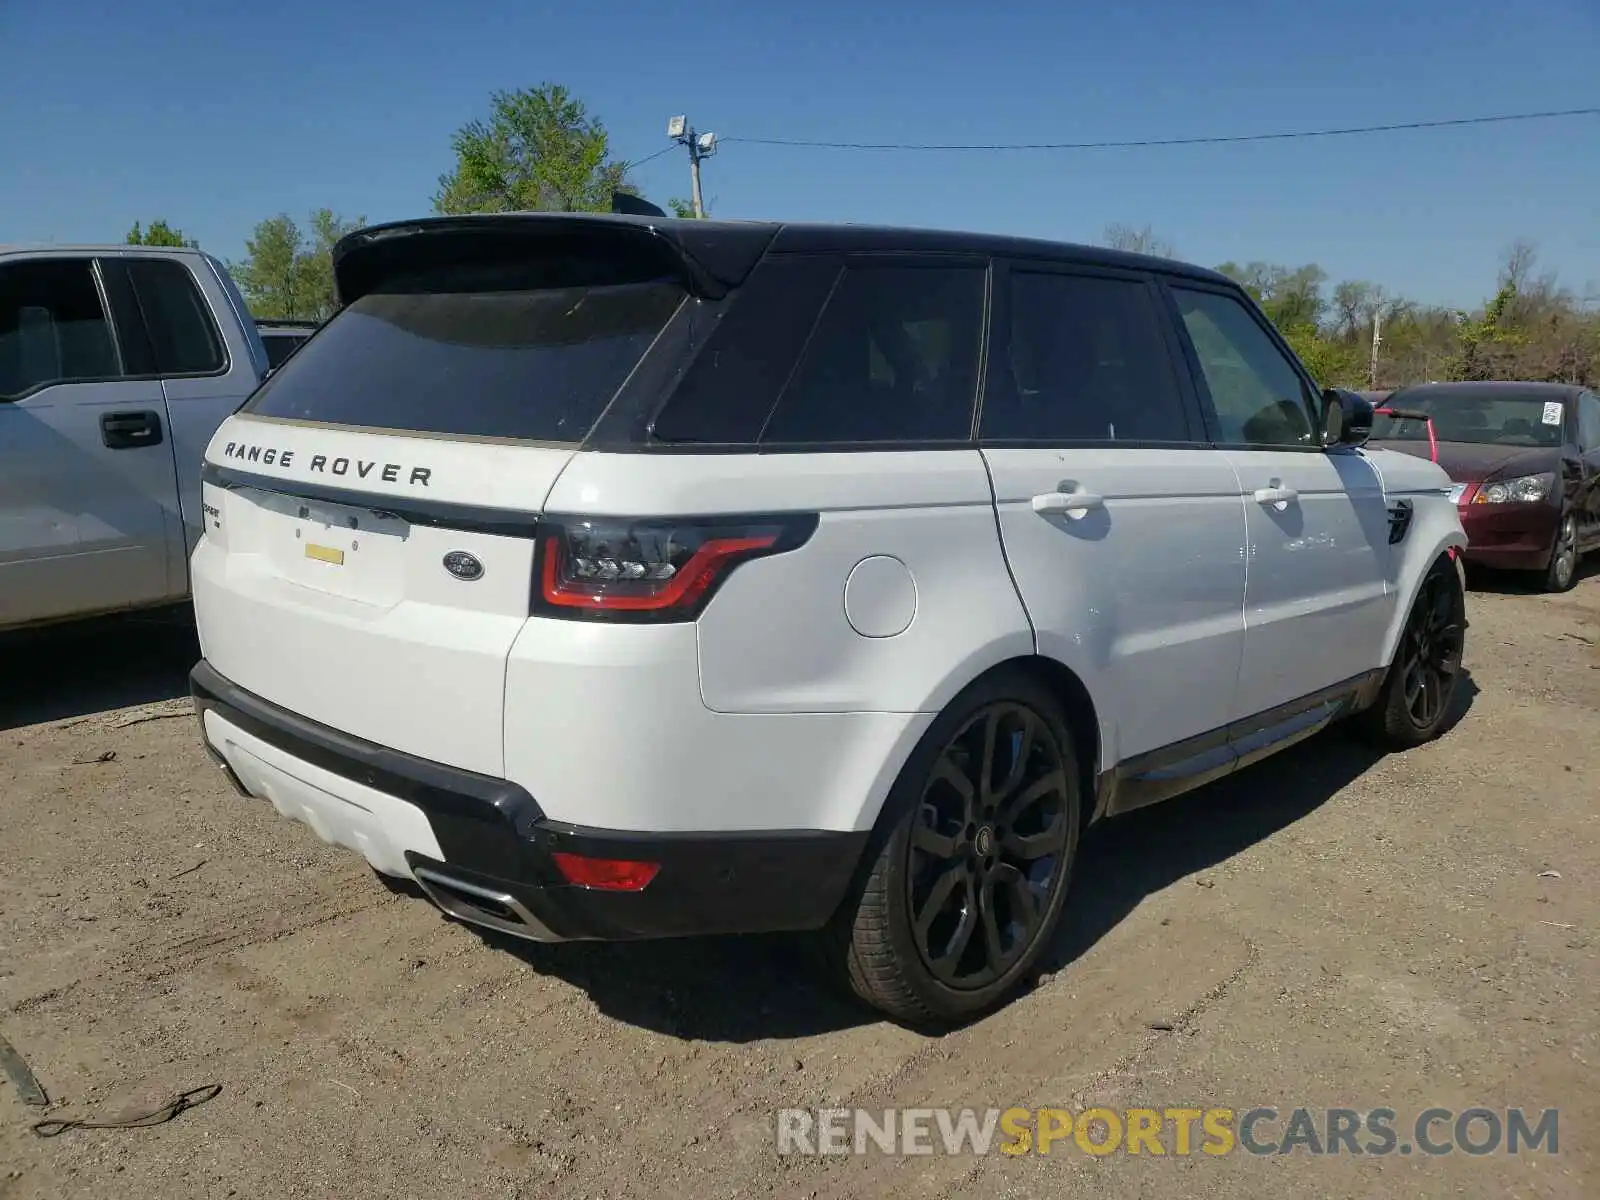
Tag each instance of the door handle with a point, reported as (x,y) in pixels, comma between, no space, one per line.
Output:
(1072,504)
(128,430)
(1280,496)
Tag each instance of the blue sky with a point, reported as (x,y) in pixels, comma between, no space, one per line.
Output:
(217,115)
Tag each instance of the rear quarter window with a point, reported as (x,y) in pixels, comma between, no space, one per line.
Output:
(893,358)
(473,354)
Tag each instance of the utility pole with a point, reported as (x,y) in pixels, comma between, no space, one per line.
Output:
(701,146)
(1377,340)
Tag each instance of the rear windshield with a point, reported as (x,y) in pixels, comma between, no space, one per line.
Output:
(474,356)
(1491,420)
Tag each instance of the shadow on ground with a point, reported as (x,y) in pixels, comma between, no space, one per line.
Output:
(748,989)
(1525,583)
(87,667)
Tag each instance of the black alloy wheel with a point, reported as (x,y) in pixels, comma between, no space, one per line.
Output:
(988,847)
(1431,651)
(1414,704)
(964,882)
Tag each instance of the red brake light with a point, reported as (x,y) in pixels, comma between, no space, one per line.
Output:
(606,874)
(650,570)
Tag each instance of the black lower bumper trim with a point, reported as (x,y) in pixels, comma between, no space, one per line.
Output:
(494,835)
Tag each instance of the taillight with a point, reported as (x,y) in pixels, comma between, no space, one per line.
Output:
(650,569)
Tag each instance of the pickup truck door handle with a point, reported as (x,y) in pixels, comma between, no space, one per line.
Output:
(1072,504)
(1280,496)
(130,430)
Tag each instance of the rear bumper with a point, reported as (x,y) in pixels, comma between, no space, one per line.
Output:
(488,837)
(1515,537)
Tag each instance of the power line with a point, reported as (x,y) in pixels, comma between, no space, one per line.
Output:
(641,162)
(1506,118)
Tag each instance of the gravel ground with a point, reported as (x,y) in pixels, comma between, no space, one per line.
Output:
(1328,929)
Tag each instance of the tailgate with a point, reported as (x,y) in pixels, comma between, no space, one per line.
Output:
(387,617)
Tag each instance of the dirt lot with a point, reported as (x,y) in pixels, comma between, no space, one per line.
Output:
(1326,929)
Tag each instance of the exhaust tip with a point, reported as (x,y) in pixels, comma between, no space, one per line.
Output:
(488,907)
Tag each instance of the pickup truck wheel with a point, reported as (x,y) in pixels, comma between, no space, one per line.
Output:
(1563,570)
(967,873)
(1417,693)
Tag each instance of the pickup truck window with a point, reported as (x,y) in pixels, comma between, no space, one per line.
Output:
(53,326)
(183,333)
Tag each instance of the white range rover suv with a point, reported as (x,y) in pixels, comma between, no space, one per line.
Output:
(614,577)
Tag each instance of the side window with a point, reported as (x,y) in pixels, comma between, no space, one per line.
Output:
(183,332)
(1589,421)
(53,326)
(894,357)
(731,386)
(1258,396)
(1085,360)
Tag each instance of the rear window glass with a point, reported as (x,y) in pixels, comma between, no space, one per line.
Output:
(280,346)
(487,360)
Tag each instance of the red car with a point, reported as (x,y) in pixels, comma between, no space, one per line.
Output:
(1525,458)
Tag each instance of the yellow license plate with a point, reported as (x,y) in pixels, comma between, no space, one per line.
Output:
(327,554)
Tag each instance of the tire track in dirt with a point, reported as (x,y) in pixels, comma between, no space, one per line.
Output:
(1055,1047)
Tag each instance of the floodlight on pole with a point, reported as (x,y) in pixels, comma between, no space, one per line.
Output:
(699,145)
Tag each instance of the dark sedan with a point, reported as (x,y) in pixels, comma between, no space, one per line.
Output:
(1525,458)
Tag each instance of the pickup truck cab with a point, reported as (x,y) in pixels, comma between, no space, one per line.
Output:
(282,337)
(117,364)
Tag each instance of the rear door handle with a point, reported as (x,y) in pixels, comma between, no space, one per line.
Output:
(1072,504)
(129,430)
(1281,496)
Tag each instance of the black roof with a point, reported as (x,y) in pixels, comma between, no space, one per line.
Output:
(727,250)
(1497,389)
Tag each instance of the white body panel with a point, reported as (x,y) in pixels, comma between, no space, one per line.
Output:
(1435,528)
(778,637)
(1318,601)
(1142,592)
(384,644)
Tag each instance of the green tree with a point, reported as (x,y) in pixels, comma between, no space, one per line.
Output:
(1137,241)
(540,150)
(316,260)
(160,234)
(288,273)
(679,207)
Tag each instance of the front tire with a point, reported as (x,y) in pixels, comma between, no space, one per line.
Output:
(1562,572)
(1418,691)
(967,873)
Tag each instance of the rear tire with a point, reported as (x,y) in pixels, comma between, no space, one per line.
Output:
(965,878)
(1562,573)
(1415,700)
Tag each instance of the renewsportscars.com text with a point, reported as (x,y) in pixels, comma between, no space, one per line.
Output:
(1263,1130)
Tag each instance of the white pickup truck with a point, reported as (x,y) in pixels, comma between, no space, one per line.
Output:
(117,363)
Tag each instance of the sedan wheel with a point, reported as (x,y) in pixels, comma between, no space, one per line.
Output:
(1563,572)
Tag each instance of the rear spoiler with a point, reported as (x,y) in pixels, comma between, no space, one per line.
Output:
(710,258)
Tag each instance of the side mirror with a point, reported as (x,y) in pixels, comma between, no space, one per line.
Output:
(1346,418)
